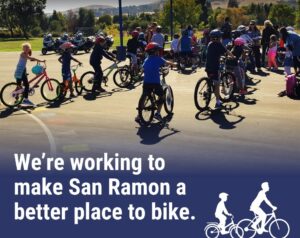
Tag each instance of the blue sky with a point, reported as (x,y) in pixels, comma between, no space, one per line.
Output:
(62,5)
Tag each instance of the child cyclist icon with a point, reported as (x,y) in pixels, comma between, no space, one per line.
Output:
(222,212)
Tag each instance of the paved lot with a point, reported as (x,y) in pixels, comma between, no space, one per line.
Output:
(261,133)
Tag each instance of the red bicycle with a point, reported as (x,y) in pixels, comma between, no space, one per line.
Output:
(12,94)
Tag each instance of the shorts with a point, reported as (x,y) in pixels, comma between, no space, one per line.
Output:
(214,76)
(296,60)
(156,88)
(66,75)
(133,58)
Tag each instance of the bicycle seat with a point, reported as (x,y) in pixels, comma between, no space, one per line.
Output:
(215,223)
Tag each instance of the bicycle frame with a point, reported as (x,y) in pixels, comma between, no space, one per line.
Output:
(110,69)
(270,217)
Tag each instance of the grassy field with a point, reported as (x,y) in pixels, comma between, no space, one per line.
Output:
(12,45)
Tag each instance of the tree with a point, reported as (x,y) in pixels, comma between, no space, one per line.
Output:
(86,18)
(24,13)
(233,4)
(282,14)
(298,15)
(6,18)
(186,12)
(206,10)
(72,21)
(106,19)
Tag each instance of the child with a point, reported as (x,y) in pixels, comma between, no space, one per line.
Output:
(221,212)
(214,52)
(132,48)
(65,60)
(21,73)
(152,67)
(288,60)
(238,52)
(174,46)
(272,52)
(100,50)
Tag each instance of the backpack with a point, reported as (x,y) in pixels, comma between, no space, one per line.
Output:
(291,84)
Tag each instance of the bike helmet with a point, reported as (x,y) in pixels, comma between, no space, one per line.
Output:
(37,69)
(109,41)
(100,39)
(135,34)
(239,41)
(152,47)
(223,196)
(290,28)
(216,33)
(67,45)
(242,29)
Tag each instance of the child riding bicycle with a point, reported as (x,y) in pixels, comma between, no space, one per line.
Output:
(221,212)
(214,52)
(65,60)
(21,73)
(152,66)
(99,51)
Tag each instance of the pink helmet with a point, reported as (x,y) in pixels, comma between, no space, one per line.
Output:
(239,41)
(67,45)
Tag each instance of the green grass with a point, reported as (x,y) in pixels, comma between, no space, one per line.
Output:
(13,45)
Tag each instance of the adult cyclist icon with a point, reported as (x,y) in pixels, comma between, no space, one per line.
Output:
(222,212)
(255,207)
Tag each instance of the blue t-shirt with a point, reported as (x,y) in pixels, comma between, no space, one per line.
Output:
(186,44)
(66,62)
(151,69)
(293,39)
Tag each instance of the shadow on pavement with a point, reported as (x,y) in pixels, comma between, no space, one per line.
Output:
(219,117)
(150,135)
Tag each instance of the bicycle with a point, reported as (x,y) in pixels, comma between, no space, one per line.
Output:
(12,94)
(212,230)
(87,80)
(278,228)
(75,81)
(204,88)
(148,104)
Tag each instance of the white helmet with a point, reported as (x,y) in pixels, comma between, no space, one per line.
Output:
(223,196)
(241,28)
(290,28)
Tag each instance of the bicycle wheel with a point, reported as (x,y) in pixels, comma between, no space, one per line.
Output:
(78,87)
(279,228)
(146,109)
(11,96)
(227,86)
(122,78)
(168,100)
(212,231)
(236,232)
(245,224)
(51,90)
(202,94)
(87,81)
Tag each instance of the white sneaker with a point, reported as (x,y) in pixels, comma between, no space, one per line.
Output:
(28,103)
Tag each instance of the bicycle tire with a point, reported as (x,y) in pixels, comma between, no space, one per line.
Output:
(122,78)
(87,81)
(78,87)
(245,224)
(206,94)
(15,100)
(236,232)
(275,222)
(168,100)
(144,107)
(228,82)
(212,229)
(56,90)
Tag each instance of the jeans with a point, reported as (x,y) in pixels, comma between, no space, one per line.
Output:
(98,76)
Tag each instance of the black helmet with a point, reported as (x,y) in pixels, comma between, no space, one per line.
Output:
(109,41)
(216,33)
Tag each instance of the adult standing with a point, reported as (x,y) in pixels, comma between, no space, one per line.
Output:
(226,29)
(292,39)
(255,35)
(159,38)
(265,41)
